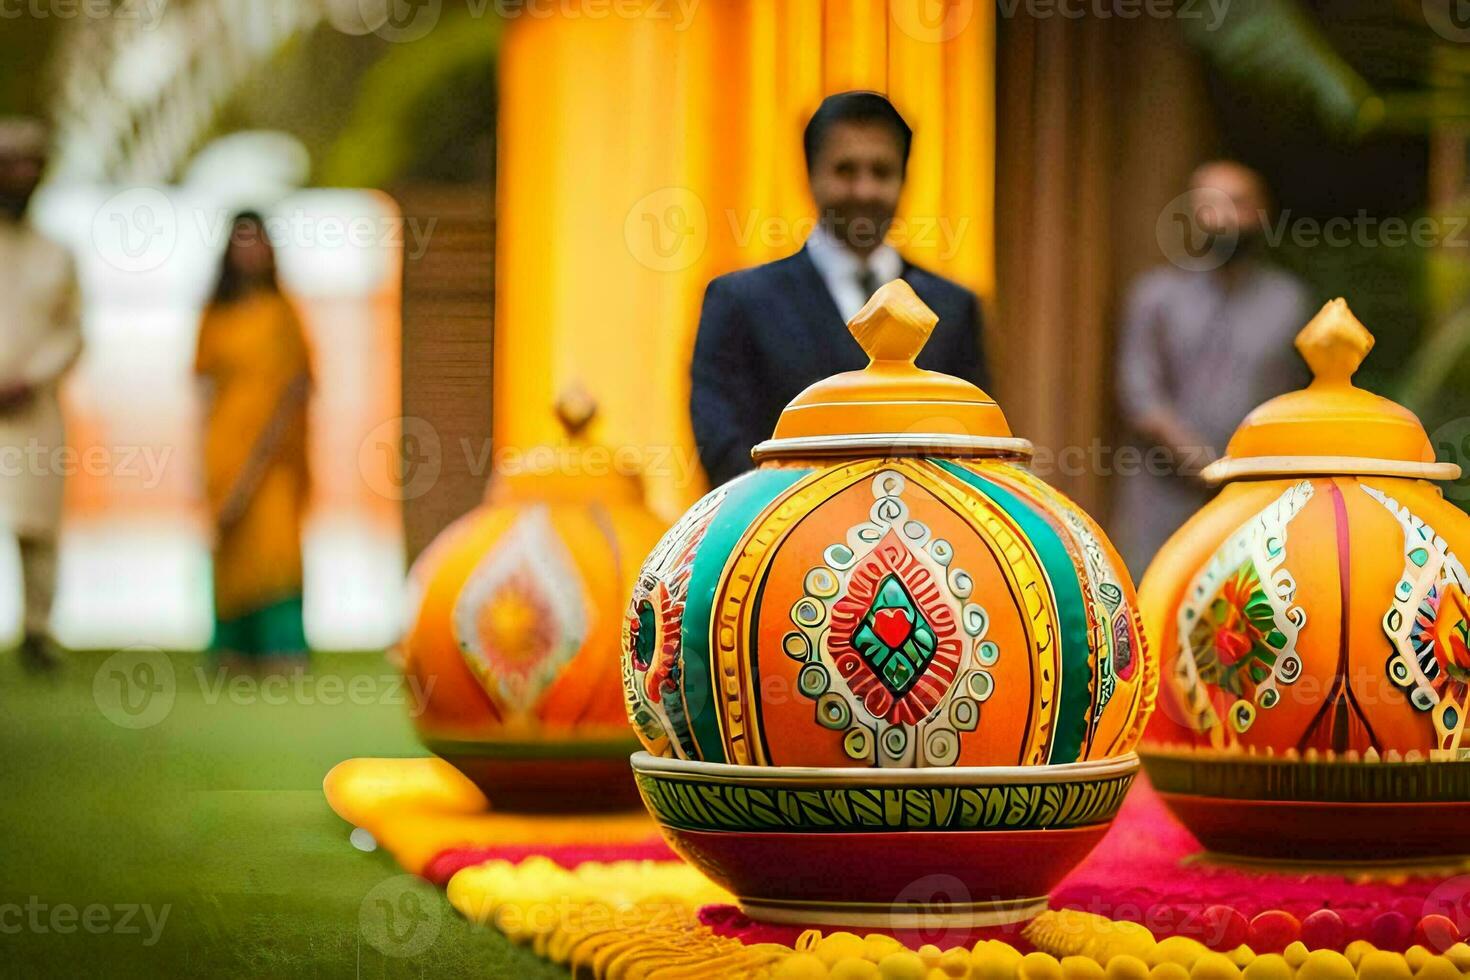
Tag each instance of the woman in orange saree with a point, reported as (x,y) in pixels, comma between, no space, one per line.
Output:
(254,362)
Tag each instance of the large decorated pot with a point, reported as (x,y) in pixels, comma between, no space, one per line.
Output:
(888,673)
(1312,626)
(516,610)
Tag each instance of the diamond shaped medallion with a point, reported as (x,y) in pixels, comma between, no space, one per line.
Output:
(522,615)
(893,637)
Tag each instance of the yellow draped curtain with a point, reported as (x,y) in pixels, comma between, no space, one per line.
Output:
(645,151)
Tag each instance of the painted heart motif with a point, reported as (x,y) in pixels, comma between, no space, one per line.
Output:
(892,626)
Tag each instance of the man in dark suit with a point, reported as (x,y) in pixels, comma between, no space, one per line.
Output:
(767,333)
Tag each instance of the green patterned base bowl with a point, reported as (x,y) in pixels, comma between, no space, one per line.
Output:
(885,848)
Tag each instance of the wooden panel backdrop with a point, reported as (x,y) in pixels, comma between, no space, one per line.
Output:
(1100,121)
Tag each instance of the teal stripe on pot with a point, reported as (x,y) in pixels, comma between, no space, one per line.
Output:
(746,497)
(1075,701)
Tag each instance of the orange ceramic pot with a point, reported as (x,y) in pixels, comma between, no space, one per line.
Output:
(514,638)
(898,620)
(1312,626)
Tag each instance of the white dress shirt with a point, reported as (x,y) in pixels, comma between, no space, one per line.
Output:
(842,270)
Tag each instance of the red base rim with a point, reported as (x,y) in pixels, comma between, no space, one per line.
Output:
(1300,830)
(850,877)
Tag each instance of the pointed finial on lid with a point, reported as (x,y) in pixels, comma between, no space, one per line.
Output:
(554,471)
(894,325)
(1334,343)
(892,406)
(575,409)
(1331,426)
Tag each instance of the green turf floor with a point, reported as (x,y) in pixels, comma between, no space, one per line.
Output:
(174,825)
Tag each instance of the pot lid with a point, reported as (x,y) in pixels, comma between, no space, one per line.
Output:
(1331,426)
(892,407)
(578,470)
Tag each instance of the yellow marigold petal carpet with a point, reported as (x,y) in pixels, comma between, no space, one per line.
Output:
(603,896)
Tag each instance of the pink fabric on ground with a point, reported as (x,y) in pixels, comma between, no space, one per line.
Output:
(1148,869)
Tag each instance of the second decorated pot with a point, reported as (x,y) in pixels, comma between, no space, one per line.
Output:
(1312,624)
(513,633)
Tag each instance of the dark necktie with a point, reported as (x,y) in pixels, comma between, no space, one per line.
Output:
(868,280)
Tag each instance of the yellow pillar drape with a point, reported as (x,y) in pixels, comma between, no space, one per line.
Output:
(644,152)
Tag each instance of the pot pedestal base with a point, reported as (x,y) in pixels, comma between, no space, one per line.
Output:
(889,880)
(549,778)
(1331,833)
(1299,811)
(969,915)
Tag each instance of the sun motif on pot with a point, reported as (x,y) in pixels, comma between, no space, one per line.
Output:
(1236,638)
(521,615)
(513,625)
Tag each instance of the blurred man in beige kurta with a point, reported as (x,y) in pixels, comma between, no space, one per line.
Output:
(1200,348)
(39,339)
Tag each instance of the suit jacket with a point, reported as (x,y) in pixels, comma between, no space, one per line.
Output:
(767,333)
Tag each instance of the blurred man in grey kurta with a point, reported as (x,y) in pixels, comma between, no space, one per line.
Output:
(1204,340)
(39,340)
